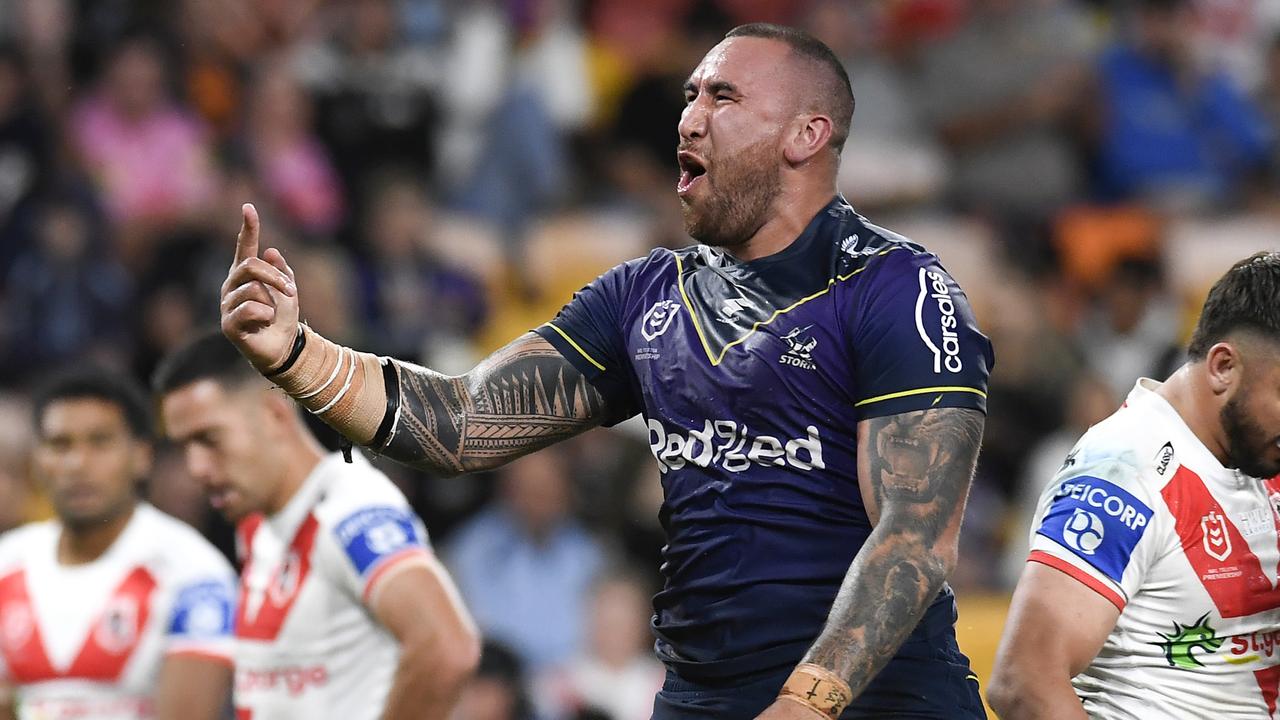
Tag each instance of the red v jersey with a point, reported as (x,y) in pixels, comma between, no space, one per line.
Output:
(306,644)
(88,641)
(1188,550)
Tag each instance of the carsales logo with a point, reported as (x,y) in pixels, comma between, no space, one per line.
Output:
(726,444)
(946,351)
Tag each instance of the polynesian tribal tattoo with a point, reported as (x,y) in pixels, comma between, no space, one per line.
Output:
(918,466)
(522,398)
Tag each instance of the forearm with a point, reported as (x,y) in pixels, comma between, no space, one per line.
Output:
(885,593)
(522,398)
(1035,694)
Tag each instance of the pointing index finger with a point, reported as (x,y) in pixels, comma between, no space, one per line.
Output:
(247,240)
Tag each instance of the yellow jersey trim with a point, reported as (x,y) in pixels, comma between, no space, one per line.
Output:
(576,346)
(697,325)
(921,391)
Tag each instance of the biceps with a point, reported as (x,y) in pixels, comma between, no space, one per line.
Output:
(919,464)
(421,604)
(1055,623)
(192,688)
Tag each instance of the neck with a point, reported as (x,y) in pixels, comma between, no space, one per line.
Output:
(80,545)
(791,213)
(299,458)
(1189,394)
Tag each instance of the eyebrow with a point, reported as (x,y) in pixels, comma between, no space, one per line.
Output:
(714,87)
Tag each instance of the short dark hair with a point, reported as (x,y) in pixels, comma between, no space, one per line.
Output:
(95,383)
(1247,297)
(834,88)
(209,356)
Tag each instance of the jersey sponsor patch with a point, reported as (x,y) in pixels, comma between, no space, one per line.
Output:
(375,533)
(1098,521)
(203,610)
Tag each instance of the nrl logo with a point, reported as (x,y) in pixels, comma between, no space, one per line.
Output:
(656,321)
(1217,542)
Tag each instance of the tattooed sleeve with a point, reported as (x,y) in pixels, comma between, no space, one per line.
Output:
(915,469)
(522,398)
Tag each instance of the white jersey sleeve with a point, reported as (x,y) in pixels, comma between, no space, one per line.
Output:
(1095,522)
(201,616)
(364,543)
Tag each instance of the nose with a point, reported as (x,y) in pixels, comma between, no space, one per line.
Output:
(199,464)
(693,121)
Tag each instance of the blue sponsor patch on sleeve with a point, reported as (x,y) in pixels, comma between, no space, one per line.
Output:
(1098,521)
(203,610)
(375,533)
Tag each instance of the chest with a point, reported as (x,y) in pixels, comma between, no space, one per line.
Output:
(1225,543)
(95,623)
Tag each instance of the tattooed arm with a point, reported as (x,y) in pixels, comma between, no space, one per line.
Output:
(522,398)
(914,469)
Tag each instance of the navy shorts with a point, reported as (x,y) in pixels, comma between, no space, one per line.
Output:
(927,680)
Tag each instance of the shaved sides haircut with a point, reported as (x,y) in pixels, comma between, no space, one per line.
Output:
(832,92)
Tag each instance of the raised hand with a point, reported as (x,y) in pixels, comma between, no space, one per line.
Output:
(259,299)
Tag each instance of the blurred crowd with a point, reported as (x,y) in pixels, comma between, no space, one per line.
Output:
(443,174)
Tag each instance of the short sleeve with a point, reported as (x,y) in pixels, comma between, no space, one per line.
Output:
(914,341)
(1094,523)
(366,544)
(589,333)
(201,619)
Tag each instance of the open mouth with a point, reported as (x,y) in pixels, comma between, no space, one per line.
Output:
(692,169)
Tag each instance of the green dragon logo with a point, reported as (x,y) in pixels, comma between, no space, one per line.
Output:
(1177,647)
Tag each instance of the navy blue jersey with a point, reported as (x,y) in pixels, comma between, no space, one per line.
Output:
(752,378)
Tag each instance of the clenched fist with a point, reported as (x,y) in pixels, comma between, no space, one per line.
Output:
(259,299)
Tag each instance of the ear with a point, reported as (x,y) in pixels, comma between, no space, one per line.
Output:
(1224,366)
(279,407)
(143,457)
(809,135)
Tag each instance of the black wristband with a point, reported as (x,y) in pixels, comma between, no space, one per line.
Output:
(299,342)
(391,381)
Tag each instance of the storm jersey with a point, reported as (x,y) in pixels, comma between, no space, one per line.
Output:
(1186,549)
(306,644)
(752,378)
(88,641)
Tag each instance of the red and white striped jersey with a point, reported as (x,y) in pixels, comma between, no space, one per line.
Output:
(1145,515)
(88,641)
(306,644)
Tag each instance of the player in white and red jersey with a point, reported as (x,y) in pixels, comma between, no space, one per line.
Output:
(114,610)
(1153,587)
(344,610)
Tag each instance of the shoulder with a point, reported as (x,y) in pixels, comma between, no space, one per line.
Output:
(354,487)
(183,550)
(24,543)
(1130,448)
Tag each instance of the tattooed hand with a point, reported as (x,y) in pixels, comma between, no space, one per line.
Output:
(914,470)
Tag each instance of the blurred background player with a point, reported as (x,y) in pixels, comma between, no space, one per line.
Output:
(113,610)
(344,612)
(1151,589)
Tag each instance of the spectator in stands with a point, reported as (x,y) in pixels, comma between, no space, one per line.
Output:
(148,155)
(26,154)
(1132,325)
(294,166)
(65,296)
(616,675)
(400,277)
(999,93)
(890,132)
(1170,129)
(497,691)
(525,566)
